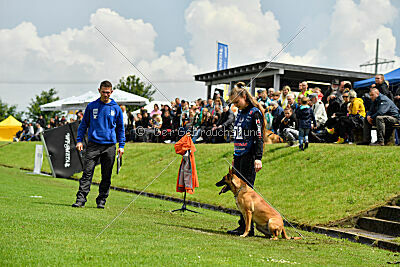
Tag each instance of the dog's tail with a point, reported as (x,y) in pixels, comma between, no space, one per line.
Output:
(285,236)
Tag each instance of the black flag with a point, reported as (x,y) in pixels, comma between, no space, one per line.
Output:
(61,145)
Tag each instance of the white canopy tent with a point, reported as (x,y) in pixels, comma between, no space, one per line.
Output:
(53,106)
(80,102)
(124,98)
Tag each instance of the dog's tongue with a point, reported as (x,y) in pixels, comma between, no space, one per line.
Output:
(223,190)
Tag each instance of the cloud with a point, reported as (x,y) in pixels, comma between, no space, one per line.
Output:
(353,31)
(76,54)
(85,55)
(173,76)
(252,35)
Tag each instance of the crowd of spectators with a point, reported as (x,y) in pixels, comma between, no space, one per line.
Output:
(31,129)
(338,111)
(209,121)
(340,115)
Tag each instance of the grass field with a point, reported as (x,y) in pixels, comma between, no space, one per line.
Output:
(325,183)
(39,227)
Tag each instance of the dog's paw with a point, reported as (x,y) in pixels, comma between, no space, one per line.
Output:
(244,235)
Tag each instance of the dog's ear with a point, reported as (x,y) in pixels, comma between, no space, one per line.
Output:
(235,181)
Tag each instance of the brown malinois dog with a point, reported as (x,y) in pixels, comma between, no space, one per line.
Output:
(254,208)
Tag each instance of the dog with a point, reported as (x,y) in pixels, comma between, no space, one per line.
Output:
(254,208)
(271,138)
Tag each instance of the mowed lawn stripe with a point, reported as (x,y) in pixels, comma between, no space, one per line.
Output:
(39,227)
(325,183)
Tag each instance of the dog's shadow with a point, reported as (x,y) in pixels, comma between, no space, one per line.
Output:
(206,231)
(210,231)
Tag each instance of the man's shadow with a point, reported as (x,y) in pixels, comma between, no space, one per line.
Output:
(61,204)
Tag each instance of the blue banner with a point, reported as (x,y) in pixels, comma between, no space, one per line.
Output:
(222,62)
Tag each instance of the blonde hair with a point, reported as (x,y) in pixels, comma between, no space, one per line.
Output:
(352,94)
(304,100)
(240,90)
(204,114)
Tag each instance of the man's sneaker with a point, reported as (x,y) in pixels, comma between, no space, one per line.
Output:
(78,204)
(377,144)
(290,143)
(340,140)
(101,204)
(305,145)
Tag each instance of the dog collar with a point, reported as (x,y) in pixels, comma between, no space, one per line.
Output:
(237,193)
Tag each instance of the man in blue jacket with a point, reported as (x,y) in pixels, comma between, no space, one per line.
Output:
(104,122)
(383,113)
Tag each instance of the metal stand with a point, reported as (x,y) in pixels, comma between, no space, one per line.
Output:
(184,206)
(53,173)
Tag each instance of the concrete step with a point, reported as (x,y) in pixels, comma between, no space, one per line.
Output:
(359,236)
(390,213)
(379,226)
(366,233)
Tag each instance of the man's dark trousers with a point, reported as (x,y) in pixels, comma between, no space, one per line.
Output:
(382,124)
(94,152)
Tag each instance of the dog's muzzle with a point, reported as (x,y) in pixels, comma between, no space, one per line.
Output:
(225,188)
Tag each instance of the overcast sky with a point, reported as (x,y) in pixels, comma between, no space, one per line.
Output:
(46,44)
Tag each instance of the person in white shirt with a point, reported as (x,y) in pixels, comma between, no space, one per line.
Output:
(319,110)
(36,136)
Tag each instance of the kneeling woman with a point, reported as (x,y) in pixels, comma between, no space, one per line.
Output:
(249,133)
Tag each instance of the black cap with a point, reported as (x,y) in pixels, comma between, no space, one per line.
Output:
(335,81)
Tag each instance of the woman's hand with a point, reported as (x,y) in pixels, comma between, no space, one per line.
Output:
(257,165)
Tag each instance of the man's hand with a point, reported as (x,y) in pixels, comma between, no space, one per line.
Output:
(120,152)
(369,119)
(257,165)
(79,146)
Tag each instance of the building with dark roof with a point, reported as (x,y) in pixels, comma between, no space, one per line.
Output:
(276,75)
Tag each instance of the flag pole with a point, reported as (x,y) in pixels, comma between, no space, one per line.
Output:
(216,43)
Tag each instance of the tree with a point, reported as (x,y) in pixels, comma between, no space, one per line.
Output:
(45,97)
(6,110)
(132,84)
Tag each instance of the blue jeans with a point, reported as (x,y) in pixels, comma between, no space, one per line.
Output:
(196,135)
(303,135)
